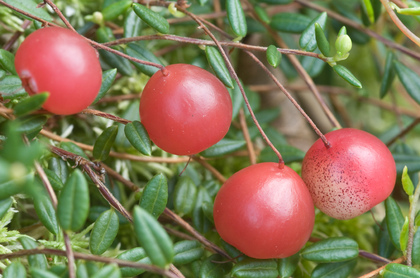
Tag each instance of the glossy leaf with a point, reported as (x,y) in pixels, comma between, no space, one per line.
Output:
(185,194)
(115,9)
(11,87)
(153,238)
(155,195)
(42,273)
(122,65)
(399,271)
(331,250)
(5,205)
(388,76)
(415,256)
(321,40)
(7,61)
(104,232)
(262,14)
(210,268)
(38,260)
(73,202)
(59,168)
(333,270)
(138,255)
(138,137)
(394,221)
(31,7)
(290,22)
(46,212)
(407,183)
(109,271)
(104,142)
(307,40)
(344,73)
(385,245)
(132,24)
(31,123)
(108,78)
(187,251)
(73,148)
(200,221)
(142,53)
(224,146)
(287,266)
(273,56)
(218,65)
(404,235)
(236,17)
(409,79)
(368,8)
(30,104)
(154,20)
(15,270)
(255,268)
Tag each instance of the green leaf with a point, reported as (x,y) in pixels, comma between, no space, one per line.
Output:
(290,22)
(73,148)
(132,24)
(155,195)
(42,273)
(31,123)
(46,212)
(344,73)
(31,7)
(224,146)
(112,11)
(415,255)
(35,261)
(407,183)
(409,79)
(368,9)
(321,40)
(7,61)
(412,161)
(30,104)
(59,270)
(307,40)
(385,246)
(333,270)
(312,65)
(388,76)
(213,267)
(15,270)
(5,205)
(185,194)
(138,255)
(122,65)
(59,168)
(81,271)
(187,251)
(255,268)
(104,143)
(287,266)
(273,56)
(394,221)
(73,202)
(236,17)
(154,20)
(404,235)
(109,271)
(399,271)
(276,2)
(336,249)
(11,87)
(108,78)
(200,221)
(262,14)
(137,51)
(417,219)
(104,232)
(218,65)
(289,154)
(138,137)
(153,238)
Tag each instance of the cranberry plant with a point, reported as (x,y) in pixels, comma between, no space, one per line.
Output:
(237,96)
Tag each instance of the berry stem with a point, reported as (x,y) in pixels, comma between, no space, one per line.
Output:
(235,76)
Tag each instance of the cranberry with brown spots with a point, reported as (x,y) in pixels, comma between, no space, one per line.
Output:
(355,174)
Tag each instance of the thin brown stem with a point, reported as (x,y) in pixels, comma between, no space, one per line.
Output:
(8,45)
(60,14)
(69,254)
(105,115)
(89,257)
(236,78)
(245,132)
(404,132)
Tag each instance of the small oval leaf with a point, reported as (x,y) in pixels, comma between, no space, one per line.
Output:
(185,194)
(213,268)
(200,221)
(224,146)
(406,182)
(255,268)
(108,271)
(331,250)
(400,271)
(333,270)
(30,104)
(344,73)
(46,212)
(236,17)
(218,65)
(415,256)
(273,56)
(104,143)
(7,61)
(108,78)
(138,137)
(15,270)
(132,24)
(321,40)
(385,245)
(187,251)
(155,195)
(137,255)
(5,205)
(307,40)
(287,266)
(154,20)
(153,238)
(11,87)
(112,11)
(394,221)
(137,51)
(290,22)
(35,261)
(388,76)
(404,235)
(73,202)
(409,79)
(104,232)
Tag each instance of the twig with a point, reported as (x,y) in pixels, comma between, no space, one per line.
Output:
(60,14)
(69,254)
(245,131)
(89,257)
(404,132)
(376,271)
(105,115)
